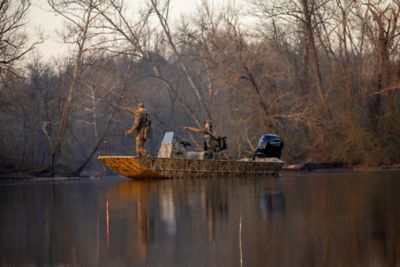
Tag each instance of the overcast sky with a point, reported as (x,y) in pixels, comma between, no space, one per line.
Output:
(42,19)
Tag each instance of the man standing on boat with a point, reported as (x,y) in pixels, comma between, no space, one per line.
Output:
(211,143)
(140,129)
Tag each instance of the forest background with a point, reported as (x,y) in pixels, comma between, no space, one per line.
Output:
(322,74)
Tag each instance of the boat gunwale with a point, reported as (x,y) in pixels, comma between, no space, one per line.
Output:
(198,160)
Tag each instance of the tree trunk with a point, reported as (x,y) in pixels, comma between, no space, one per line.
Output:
(313,50)
(72,88)
(380,106)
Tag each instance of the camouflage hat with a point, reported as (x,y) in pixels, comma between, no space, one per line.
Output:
(140,105)
(207,121)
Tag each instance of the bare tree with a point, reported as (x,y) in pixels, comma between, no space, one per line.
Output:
(98,138)
(382,29)
(137,34)
(14,43)
(303,14)
(80,17)
(162,14)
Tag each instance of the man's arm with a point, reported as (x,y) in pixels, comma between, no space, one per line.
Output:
(192,129)
(129,110)
(130,131)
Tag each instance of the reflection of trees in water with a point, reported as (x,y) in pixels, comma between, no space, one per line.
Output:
(50,224)
(327,221)
(383,246)
(336,227)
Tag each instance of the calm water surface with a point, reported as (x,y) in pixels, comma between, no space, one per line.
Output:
(299,219)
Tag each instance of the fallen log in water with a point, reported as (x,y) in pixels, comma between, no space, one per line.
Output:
(310,166)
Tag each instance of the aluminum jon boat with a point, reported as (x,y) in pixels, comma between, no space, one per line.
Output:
(174,163)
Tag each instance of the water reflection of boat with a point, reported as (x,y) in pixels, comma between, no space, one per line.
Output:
(272,198)
(132,197)
(171,164)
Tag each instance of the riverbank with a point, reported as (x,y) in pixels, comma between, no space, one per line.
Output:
(312,166)
(33,174)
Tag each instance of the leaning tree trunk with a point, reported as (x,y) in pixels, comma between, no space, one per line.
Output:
(167,31)
(71,91)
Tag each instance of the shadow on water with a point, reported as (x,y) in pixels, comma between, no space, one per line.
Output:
(319,219)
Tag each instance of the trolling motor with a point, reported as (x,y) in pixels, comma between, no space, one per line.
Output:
(269,146)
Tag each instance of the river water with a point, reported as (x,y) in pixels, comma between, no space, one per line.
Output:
(298,219)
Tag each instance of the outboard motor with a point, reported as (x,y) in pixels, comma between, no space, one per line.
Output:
(269,146)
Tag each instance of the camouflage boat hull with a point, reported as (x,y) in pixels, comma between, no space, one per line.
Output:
(153,168)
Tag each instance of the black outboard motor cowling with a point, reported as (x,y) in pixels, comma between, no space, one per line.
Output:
(269,145)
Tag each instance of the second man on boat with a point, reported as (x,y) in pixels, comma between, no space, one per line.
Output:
(212,143)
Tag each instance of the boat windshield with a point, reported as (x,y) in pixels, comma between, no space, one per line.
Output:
(168,137)
(165,150)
